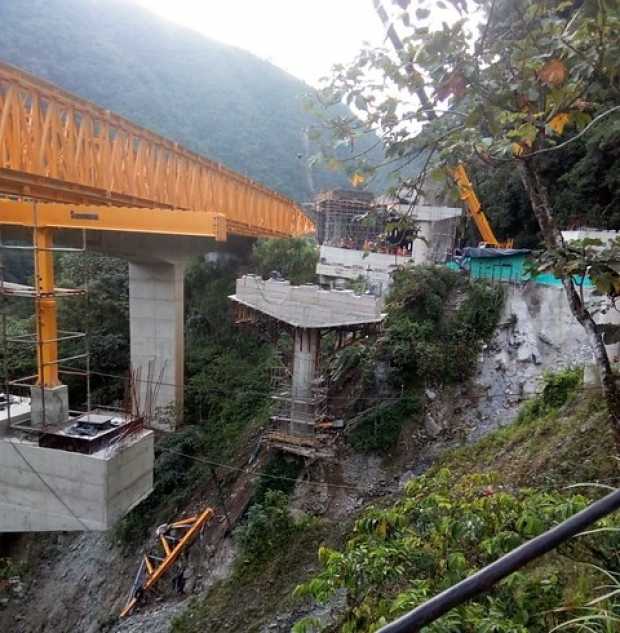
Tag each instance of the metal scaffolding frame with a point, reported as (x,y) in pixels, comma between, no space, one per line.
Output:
(44,299)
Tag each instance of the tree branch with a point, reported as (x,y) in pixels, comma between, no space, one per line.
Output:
(574,138)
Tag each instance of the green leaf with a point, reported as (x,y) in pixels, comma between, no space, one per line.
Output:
(361,103)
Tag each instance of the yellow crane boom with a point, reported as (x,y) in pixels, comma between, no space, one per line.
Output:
(156,567)
(474,208)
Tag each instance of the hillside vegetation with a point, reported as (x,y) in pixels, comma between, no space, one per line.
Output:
(473,506)
(215,99)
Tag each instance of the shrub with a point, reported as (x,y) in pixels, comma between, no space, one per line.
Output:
(280,474)
(557,389)
(269,526)
(9,568)
(379,429)
(425,342)
(442,531)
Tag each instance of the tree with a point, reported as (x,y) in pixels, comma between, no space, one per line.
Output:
(529,80)
(103,314)
(444,529)
(294,258)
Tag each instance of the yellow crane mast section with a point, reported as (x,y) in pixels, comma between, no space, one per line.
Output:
(469,197)
(47,323)
(58,147)
(172,549)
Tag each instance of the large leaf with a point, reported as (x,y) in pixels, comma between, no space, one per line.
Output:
(553,73)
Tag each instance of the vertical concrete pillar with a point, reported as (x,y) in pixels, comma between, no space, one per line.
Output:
(421,250)
(156,338)
(304,371)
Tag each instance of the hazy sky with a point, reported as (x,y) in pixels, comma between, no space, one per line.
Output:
(305,37)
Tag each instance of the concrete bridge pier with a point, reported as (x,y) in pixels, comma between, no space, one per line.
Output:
(156,339)
(156,296)
(305,360)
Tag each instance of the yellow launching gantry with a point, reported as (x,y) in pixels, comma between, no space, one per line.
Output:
(66,163)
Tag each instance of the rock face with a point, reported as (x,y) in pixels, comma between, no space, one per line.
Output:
(537,333)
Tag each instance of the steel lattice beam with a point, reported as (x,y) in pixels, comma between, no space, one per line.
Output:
(57,147)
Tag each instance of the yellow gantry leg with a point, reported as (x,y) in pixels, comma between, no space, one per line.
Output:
(47,324)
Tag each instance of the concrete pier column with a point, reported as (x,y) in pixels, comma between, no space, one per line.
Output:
(156,335)
(304,371)
(50,405)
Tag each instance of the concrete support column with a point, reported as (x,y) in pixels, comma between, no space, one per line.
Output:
(304,371)
(156,335)
(49,405)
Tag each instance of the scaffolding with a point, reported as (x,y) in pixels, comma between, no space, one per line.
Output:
(44,294)
(342,218)
(299,425)
(86,429)
(289,410)
(356,220)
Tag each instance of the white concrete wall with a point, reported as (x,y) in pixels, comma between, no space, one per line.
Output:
(129,477)
(350,258)
(45,489)
(156,337)
(375,268)
(435,214)
(596,234)
(307,306)
(423,212)
(435,240)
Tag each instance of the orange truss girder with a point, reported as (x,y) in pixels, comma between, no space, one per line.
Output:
(58,147)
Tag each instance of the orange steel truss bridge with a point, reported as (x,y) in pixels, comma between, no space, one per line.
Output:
(66,163)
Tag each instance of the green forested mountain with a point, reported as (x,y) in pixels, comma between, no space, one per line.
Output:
(215,99)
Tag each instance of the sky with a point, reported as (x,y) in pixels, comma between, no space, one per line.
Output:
(304,37)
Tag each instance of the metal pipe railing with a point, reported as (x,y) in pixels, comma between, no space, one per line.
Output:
(484,579)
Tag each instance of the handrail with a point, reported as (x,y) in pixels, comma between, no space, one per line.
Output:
(484,579)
